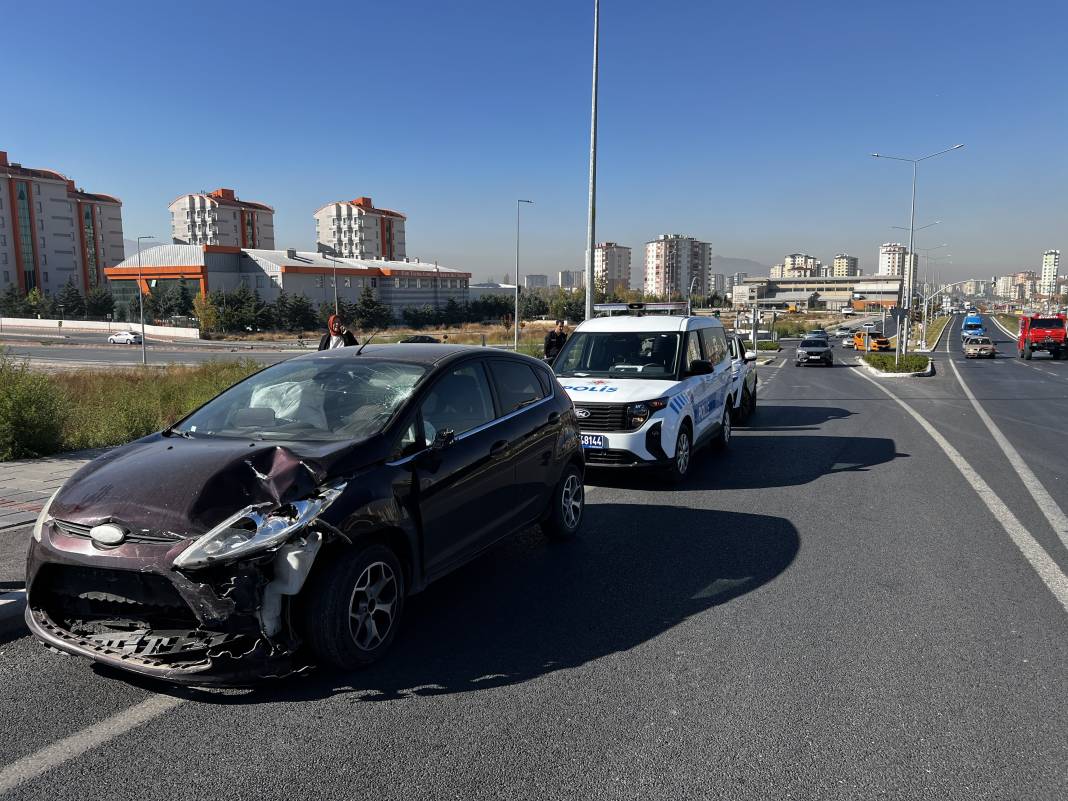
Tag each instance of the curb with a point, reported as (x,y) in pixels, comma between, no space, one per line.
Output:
(12,610)
(928,371)
(1007,332)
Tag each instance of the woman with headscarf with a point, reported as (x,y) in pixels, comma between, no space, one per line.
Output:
(337,335)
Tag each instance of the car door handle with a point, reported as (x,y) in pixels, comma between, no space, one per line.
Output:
(554,417)
(498,449)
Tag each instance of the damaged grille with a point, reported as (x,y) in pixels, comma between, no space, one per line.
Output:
(82,532)
(123,613)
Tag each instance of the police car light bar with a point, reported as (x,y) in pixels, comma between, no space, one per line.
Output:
(640,308)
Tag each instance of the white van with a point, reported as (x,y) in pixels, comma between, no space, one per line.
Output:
(648,390)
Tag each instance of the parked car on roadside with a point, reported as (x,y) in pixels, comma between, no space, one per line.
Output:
(288,519)
(649,390)
(814,350)
(743,378)
(979,348)
(424,339)
(125,338)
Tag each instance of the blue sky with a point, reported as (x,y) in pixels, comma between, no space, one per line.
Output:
(747,125)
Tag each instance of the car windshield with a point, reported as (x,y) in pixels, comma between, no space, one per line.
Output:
(620,354)
(972,326)
(813,343)
(308,400)
(1047,322)
(978,341)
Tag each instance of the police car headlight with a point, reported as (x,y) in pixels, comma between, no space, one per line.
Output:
(638,413)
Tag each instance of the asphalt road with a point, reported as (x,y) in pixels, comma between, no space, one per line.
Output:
(829,610)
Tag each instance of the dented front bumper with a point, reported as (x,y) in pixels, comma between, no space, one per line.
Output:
(130,609)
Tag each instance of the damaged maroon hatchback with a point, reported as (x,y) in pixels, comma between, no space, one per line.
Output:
(286,521)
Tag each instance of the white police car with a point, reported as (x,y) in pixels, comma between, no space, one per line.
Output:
(648,390)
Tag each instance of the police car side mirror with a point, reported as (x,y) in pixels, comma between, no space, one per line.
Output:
(750,356)
(699,367)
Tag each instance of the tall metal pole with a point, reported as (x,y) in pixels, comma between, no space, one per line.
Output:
(591,214)
(518,205)
(141,300)
(333,261)
(903,324)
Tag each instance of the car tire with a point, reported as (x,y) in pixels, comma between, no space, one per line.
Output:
(752,403)
(723,438)
(361,589)
(1027,354)
(566,505)
(679,467)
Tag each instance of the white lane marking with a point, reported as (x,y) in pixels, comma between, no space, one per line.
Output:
(1033,552)
(1054,514)
(54,755)
(13,597)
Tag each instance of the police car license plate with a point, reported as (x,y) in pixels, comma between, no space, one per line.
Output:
(595,441)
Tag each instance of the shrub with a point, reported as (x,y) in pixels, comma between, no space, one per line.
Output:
(31,408)
(910,362)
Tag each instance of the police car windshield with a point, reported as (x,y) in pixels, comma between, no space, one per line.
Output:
(620,354)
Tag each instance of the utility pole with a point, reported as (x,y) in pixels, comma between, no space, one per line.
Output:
(591,213)
(141,300)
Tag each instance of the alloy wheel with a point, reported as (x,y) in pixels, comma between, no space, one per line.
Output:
(373,606)
(726,426)
(682,454)
(571,500)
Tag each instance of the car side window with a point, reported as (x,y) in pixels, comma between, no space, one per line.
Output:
(716,348)
(459,401)
(410,441)
(516,384)
(693,347)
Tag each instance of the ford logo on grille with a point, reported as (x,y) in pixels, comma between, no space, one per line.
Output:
(582,414)
(107,534)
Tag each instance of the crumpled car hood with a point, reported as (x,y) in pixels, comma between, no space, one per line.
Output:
(187,486)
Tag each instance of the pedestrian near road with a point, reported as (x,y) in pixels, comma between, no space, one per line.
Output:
(337,335)
(555,340)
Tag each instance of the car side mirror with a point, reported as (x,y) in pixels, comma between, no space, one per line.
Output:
(700,367)
(750,356)
(443,439)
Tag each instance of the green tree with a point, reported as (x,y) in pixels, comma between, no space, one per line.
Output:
(206,313)
(183,299)
(300,314)
(14,304)
(99,303)
(532,305)
(70,298)
(370,313)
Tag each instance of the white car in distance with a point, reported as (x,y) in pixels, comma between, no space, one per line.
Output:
(125,338)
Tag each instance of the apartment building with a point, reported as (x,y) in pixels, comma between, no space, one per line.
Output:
(52,232)
(893,256)
(717,282)
(845,266)
(1005,288)
(1051,262)
(611,267)
(535,281)
(221,218)
(355,229)
(571,279)
(674,263)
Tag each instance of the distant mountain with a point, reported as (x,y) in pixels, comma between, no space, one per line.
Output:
(728,265)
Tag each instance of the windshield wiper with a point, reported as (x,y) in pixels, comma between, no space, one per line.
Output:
(171,431)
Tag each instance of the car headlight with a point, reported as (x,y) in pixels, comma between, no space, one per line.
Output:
(638,413)
(256,528)
(44,517)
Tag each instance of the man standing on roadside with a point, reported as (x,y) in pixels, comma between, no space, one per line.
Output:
(337,335)
(555,340)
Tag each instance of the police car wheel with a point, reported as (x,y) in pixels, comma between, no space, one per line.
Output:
(723,439)
(680,462)
(566,505)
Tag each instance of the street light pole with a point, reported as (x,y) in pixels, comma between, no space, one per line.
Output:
(902,342)
(518,206)
(924,285)
(591,212)
(141,300)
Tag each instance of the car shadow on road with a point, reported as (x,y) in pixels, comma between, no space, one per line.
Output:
(531,606)
(792,417)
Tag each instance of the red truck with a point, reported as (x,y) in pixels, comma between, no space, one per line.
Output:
(1042,332)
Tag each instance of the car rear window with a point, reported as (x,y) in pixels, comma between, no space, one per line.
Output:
(813,343)
(1047,322)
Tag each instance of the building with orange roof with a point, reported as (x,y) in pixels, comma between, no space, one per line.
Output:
(355,229)
(221,218)
(52,231)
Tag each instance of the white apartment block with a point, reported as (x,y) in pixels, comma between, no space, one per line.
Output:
(1051,262)
(717,282)
(572,279)
(674,263)
(611,267)
(52,232)
(801,265)
(355,229)
(221,218)
(535,281)
(892,260)
(1004,288)
(845,266)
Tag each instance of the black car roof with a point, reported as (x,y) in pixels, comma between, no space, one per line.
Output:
(426,353)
